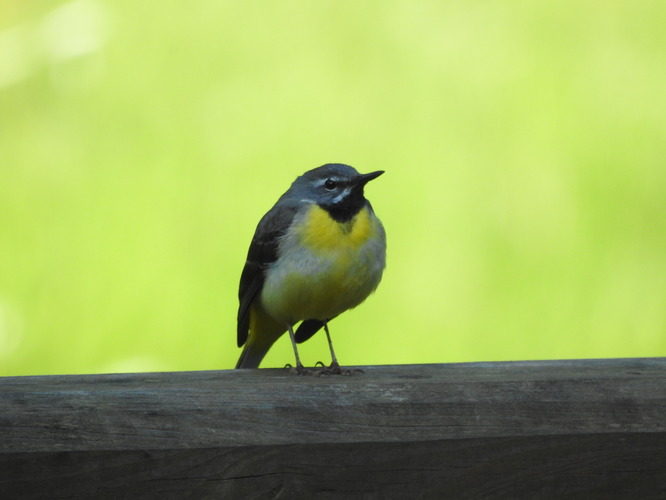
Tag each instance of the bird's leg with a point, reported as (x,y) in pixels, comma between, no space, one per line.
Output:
(300,369)
(335,369)
(335,366)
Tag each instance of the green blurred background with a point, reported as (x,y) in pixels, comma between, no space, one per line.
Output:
(524,198)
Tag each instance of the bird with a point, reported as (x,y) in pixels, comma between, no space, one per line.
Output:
(318,252)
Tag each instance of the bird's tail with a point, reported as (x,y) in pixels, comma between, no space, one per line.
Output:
(264,331)
(252,355)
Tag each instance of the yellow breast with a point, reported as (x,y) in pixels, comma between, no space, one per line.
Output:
(325,266)
(319,231)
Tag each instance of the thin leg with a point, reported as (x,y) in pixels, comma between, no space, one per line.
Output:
(334,360)
(299,366)
(335,369)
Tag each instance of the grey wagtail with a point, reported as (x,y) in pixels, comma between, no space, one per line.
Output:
(319,251)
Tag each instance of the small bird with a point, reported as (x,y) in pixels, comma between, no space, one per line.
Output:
(320,251)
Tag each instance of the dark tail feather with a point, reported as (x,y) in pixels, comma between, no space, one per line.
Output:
(251,356)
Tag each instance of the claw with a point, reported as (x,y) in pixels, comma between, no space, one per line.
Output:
(336,369)
(299,370)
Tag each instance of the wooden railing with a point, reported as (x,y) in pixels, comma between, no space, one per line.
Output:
(543,429)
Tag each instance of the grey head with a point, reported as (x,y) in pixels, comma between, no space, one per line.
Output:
(335,187)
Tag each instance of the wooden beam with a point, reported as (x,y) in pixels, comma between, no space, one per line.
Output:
(543,429)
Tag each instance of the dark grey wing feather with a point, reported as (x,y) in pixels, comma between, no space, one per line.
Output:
(262,253)
(251,282)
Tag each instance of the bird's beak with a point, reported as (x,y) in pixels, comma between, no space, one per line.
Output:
(363,179)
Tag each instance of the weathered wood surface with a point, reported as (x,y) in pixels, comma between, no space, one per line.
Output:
(546,429)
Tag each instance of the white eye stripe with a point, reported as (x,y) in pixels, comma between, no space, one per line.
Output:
(342,195)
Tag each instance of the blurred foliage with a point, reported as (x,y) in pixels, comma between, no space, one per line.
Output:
(524,199)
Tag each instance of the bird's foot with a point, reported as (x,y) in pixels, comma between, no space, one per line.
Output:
(300,370)
(336,369)
(321,369)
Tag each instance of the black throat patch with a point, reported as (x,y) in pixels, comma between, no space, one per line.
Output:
(347,208)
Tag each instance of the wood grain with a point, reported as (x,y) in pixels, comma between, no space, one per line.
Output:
(544,429)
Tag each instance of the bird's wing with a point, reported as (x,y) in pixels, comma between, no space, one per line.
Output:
(262,253)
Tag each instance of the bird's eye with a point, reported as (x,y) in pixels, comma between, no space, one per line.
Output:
(330,184)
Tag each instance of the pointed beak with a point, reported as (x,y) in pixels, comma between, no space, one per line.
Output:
(363,179)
